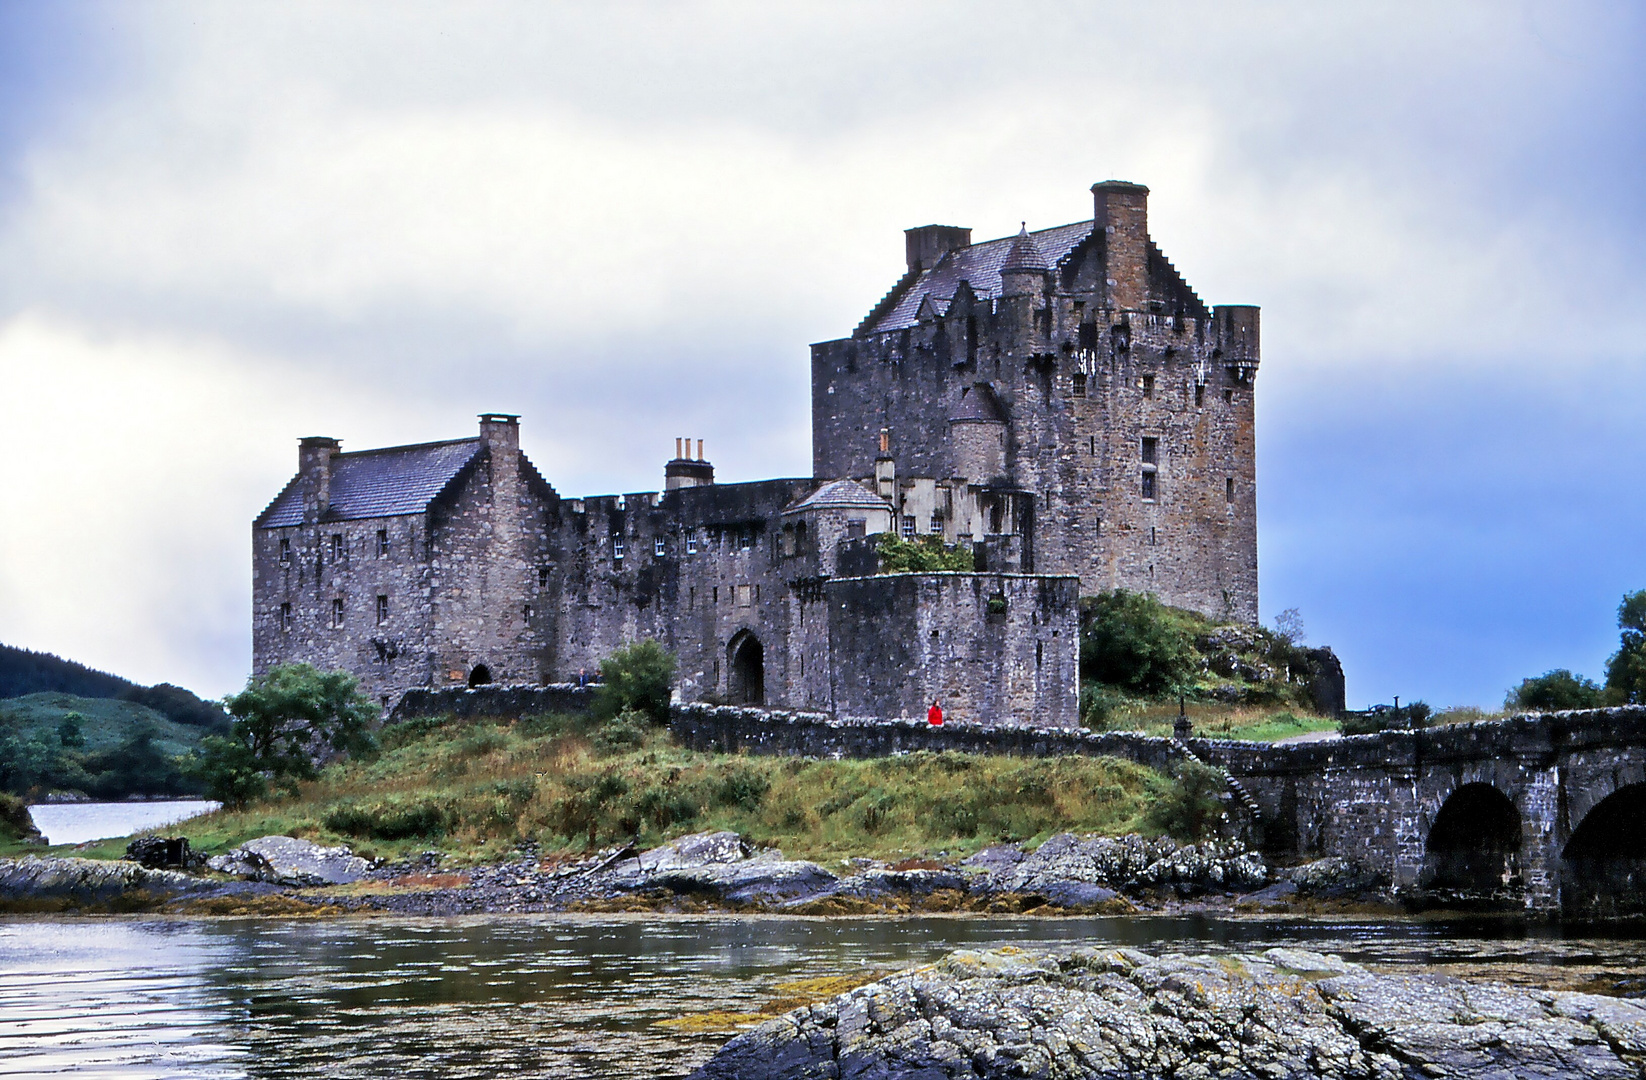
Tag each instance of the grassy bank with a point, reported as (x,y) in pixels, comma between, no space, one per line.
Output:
(477,789)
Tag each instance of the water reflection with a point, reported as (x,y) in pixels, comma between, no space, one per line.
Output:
(560,996)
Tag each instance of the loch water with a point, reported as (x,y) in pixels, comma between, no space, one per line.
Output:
(572,996)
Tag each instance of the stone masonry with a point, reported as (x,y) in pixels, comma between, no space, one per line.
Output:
(1060,402)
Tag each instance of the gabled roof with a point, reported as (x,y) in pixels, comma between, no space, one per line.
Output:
(979,266)
(389,482)
(840,495)
(977,402)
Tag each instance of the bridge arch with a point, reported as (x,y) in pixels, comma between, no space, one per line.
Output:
(746,669)
(1603,865)
(1471,856)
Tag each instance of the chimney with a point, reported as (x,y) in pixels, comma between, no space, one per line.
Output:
(501,434)
(314,456)
(929,243)
(687,471)
(1121,210)
(885,469)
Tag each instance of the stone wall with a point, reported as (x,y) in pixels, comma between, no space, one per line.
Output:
(495,702)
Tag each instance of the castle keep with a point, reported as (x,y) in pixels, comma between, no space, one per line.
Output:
(1061,403)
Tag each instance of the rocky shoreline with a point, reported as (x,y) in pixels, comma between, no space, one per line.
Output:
(1121,1013)
(701,872)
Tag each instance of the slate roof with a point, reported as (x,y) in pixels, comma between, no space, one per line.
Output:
(840,495)
(979,403)
(978,266)
(390,482)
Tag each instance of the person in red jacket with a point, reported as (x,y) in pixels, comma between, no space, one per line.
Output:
(934,715)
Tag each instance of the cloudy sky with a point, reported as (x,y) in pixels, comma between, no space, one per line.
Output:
(225,226)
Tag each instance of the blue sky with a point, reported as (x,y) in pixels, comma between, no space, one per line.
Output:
(225,226)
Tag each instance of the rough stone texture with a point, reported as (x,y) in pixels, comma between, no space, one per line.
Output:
(495,701)
(1127,863)
(455,563)
(87,881)
(1104,348)
(285,860)
(1126,1014)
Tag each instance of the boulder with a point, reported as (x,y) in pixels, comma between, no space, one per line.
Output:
(87,881)
(286,860)
(162,852)
(1126,1014)
(1335,878)
(1124,863)
(761,879)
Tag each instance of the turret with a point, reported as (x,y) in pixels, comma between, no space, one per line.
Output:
(1024,271)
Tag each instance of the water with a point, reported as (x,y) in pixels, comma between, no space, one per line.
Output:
(562,996)
(76,823)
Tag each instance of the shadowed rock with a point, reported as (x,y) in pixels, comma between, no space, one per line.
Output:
(1126,1014)
(285,860)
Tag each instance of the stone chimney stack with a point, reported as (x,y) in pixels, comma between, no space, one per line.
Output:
(1121,210)
(501,434)
(929,243)
(685,470)
(314,456)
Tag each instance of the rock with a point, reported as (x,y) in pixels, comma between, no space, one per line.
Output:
(1126,1014)
(1129,863)
(1077,894)
(883,881)
(763,878)
(1280,890)
(161,852)
(285,860)
(994,859)
(1335,879)
(87,881)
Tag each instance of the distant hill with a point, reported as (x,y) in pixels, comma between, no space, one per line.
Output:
(108,748)
(23,673)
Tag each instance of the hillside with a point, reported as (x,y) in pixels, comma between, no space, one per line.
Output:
(106,748)
(23,672)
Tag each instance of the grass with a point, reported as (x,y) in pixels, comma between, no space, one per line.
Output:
(476,790)
(1214,721)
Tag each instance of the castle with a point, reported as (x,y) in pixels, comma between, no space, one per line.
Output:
(1059,402)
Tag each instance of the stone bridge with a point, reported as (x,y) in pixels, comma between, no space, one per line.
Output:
(1541,813)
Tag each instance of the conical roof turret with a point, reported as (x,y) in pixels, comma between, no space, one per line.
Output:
(1025,254)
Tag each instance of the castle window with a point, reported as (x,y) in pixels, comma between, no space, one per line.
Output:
(617,547)
(382,542)
(1091,444)
(382,610)
(1149,485)
(1151,451)
(937,523)
(336,547)
(1097,527)
(1151,461)
(855,528)
(1152,539)
(1080,384)
(715,595)
(658,548)
(1228,397)
(745,596)
(337,614)
(542,577)
(745,539)
(1148,386)
(1228,489)
(285,616)
(691,541)
(1199,395)
(908,525)
(285,551)
(526,614)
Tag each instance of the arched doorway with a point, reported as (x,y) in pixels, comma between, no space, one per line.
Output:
(1472,857)
(1603,868)
(480,676)
(746,670)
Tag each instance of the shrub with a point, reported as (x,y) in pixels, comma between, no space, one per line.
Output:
(1409,717)
(1132,640)
(1626,670)
(1552,690)
(636,678)
(743,788)
(391,819)
(69,735)
(1191,803)
(1100,704)
(923,556)
(625,731)
(15,822)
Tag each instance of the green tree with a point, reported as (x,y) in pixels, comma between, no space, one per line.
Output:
(69,734)
(284,721)
(1626,670)
(638,678)
(1134,641)
(1552,690)
(923,556)
(1191,805)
